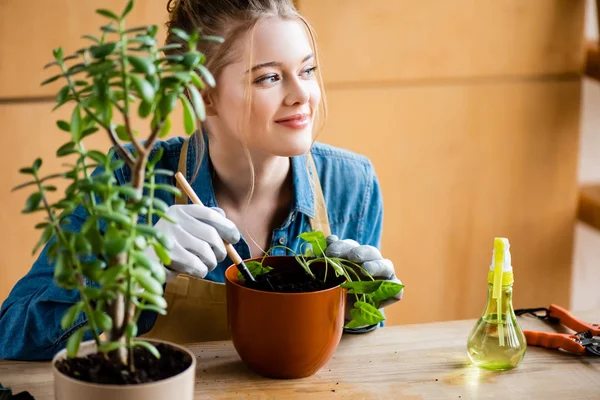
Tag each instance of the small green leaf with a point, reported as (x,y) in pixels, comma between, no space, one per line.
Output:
(118,218)
(66,149)
(128,9)
(166,128)
(88,132)
(148,347)
(107,13)
(74,342)
(111,274)
(71,315)
(92,38)
(145,109)
(160,204)
(50,80)
(168,188)
(76,124)
(317,241)
(198,102)
(37,164)
(143,277)
(361,287)
(255,268)
(386,291)
(170,46)
(155,157)
(103,50)
(129,191)
(33,202)
(122,134)
(63,125)
(97,156)
(61,97)
(206,75)
(26,171)
(189,119)
(181,34)
(144,88)
(58,53)
(46,236)
(217,39)
(142,65)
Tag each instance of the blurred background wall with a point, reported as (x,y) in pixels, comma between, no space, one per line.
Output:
(470,111)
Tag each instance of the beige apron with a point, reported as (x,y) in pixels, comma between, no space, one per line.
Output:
(197,309)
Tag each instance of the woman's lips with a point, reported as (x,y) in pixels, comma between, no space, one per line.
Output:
(298,121)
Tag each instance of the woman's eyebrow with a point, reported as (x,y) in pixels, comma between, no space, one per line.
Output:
(276,63)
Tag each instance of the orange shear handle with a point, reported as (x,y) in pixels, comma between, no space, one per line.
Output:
(567,319)
(554,341)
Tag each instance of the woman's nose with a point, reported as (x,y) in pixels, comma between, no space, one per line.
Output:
(297,93)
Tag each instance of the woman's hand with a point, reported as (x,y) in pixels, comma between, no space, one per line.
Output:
(198,234)
(369,258)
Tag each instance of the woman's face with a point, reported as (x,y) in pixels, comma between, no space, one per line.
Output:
(283,89)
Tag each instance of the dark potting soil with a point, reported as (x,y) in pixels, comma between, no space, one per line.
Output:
(96,368)
(294,281)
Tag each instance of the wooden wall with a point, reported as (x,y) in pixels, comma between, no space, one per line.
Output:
(468,109)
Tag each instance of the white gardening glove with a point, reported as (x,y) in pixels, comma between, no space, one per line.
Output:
(369,258)
(198,234)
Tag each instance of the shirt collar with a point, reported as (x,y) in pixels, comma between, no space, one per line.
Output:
(303,200)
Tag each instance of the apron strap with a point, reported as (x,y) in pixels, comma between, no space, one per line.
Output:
(319,222)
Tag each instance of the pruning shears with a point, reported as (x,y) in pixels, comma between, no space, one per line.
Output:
(585,341)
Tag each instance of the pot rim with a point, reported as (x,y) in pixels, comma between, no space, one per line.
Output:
(236,282)
(91,342)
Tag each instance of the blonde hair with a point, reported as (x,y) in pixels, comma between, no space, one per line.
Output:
(230,19)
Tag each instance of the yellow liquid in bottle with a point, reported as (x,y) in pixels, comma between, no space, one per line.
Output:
(484,347)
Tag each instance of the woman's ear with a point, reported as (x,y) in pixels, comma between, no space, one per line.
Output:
(209,103)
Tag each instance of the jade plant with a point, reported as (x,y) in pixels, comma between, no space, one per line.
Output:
(121,72)
(369,292)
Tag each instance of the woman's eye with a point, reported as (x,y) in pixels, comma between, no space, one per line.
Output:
(267,79)
(309,71)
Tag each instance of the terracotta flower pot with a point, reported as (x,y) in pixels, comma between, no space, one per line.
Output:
(284,335)
(179,387)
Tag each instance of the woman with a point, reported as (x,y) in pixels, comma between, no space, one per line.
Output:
(254,161)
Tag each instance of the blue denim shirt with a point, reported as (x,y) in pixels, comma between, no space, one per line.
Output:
(30,316)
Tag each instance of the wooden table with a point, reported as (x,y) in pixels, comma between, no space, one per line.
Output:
(426,361)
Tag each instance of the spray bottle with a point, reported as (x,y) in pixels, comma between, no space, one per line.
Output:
(497,341)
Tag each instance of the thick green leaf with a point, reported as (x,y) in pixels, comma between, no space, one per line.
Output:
(191,59)
(122,134)
(160,204)
(127,9)
(181,34)
(111,274)
(116,245)
(365,314)
(27,171)
(167,103)
(103,50)
(94,270)
(145,109)
(151,298)
(82,245)
(196,80)
(170,46)
(206,75)
(148,347)
(143,277)
(142,65)
(168,188)
(63,125)
(103,321)
(189,119)
(74,342)
(46,236)
(162,254)
(131,330)
(198,102)
(107,13)
(113,217)
(71,315)
(129,191)
(144,88)
(88,132)
(166,128)
(217,39)
(107,347)
(33,202)
(155,157)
